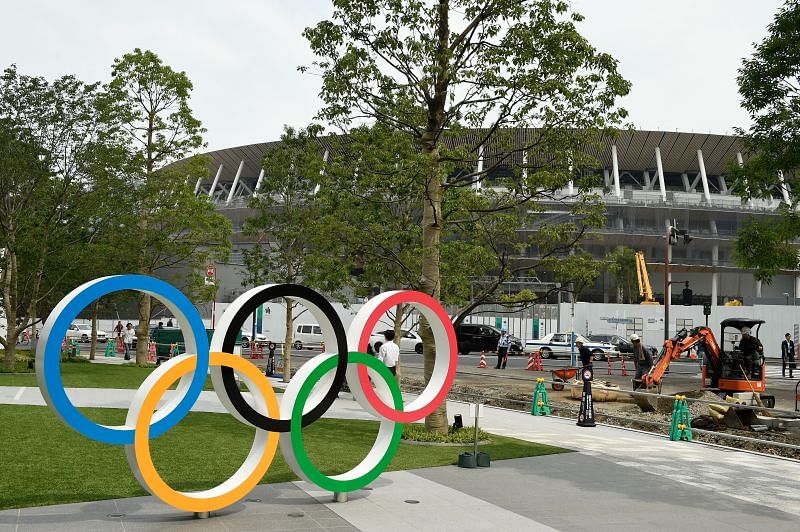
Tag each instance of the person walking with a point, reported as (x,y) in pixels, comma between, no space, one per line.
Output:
(642,360)
(502,349)
(584,353)
(389,353)
(130,335)
(119,329)
(787,355)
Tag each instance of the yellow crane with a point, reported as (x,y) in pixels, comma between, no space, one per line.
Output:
(645,290)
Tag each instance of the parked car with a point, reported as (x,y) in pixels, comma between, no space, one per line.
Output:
(559,345)
(260,338)
(307,335)
(476,337)
(622,344)
(410,341)
(83,333)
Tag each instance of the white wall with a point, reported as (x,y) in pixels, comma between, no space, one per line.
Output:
(595,318)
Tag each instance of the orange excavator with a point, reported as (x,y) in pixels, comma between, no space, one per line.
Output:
(727,371)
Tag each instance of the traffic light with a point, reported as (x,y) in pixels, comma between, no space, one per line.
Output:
(687,295)
(706,309)
(211,275)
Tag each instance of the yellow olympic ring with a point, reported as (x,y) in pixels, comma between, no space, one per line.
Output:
(265,443)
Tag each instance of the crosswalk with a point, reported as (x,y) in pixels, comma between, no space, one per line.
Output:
(775,372)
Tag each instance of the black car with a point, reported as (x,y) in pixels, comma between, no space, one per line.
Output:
(475,337)
(623,345)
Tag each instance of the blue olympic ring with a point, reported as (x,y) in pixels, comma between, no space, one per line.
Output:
(48,354)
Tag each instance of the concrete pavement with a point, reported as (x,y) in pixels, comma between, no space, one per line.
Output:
(618,479)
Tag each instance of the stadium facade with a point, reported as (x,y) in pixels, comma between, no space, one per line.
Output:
(650,180)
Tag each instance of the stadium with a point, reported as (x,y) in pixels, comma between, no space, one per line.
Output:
(651,179)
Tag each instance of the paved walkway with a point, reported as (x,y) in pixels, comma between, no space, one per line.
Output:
(618,480)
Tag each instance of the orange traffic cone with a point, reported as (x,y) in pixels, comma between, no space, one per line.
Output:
(531,362)
(624,369)
(151,352)
(482,363)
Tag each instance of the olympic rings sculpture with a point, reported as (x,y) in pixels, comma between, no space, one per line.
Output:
(309,394)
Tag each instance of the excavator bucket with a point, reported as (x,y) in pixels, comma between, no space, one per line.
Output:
(740,418)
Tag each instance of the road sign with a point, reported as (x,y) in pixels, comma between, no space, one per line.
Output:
(211,274)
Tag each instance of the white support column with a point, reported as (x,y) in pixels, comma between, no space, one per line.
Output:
(685,179)
(715,274)
(648,185)
(758,288)
(615,170)
(214,184)
(197,185)
(235,182)
(714,288)
(478,183)
(706,191)
(723,185)
(258,182)
(784,187)
(660,169)
(606,178)
(797,286)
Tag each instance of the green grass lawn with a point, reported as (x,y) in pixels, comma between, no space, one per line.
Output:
(87,375)
(42,461)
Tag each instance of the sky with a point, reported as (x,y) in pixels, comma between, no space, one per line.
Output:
(242,56)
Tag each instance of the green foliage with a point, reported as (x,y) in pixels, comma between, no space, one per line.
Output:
(622,264)
(466,435)
(769,83)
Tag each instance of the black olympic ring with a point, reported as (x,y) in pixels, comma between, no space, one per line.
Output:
(229,340)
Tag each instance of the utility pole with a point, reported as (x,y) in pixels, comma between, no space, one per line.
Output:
(670,239)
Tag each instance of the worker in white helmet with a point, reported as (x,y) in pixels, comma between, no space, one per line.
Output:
(642,360)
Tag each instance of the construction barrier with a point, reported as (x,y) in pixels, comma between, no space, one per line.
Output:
(541,403)
(610,371)
(622,364)
(531,363)
(681,426)
(586,412)
(482,363)
(109,349)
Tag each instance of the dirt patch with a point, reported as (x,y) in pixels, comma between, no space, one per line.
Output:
(622,413)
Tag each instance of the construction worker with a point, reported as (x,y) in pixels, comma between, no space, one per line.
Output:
(750,347)
(584,352)
(642,360)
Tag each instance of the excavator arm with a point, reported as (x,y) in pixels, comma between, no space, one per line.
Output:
(679,344)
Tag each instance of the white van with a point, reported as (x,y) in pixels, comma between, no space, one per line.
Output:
(308,336)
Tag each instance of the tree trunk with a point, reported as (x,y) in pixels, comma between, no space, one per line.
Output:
(10,303)
(287,342)
(143,330)
(431,234)
(399,315)
(93,346)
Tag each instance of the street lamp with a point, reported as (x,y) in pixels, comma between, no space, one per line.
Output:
(670,239)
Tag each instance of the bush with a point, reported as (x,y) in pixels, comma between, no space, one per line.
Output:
(23,362)
(466,435)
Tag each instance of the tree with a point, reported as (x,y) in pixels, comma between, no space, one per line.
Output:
(292,242)
(622,264)
(769,84)
(50,135)
(166,224)
(476,67)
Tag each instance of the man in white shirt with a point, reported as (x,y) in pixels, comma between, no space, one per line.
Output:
(389,352)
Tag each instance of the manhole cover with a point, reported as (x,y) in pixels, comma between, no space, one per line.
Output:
(412,501)
(297,514)
(115,516)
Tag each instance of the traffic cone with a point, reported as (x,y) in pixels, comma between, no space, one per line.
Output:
(681,427)
(538,360)
(531,362)
(541,403)
(151,352)
(622,363)
(482,363)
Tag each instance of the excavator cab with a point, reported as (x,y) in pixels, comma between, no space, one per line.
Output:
(734,371)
